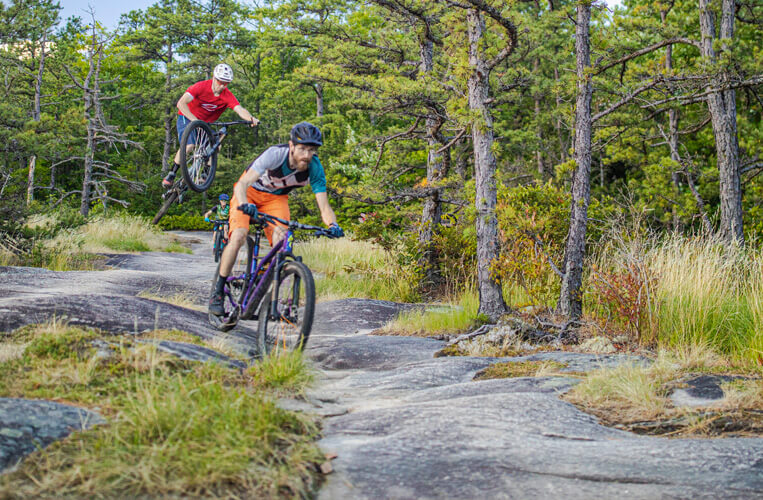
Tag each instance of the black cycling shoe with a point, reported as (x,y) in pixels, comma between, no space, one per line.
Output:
(216,304)
(169,179)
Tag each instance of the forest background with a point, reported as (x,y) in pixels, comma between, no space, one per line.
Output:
(558,155)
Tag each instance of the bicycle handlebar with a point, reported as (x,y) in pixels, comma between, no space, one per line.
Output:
(237,122)
(272,219)
(218,221)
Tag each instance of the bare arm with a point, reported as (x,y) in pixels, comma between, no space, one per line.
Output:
(327,213)
(245,115)
(246,180)
(183,106)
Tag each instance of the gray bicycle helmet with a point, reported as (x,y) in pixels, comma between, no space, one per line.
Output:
(306,133)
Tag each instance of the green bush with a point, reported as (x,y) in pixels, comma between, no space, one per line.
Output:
(533,223)
(185,222)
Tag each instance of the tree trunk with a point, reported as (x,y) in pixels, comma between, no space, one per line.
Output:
(84,207)
(91,116)
(432,211)
(491,295)
(538,129)
(672,134)
(318,99)
(30,180)
(559,123)
(722,107)
(169,136)
(36,112)
(570,299)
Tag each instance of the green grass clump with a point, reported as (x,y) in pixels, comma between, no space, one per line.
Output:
(120,232)
(454,317)
(68,242)
(694,292)
(350,268)
(175,247)
(283,371)
(126,244)
(176,428)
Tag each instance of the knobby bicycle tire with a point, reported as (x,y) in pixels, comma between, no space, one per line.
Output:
(166,206)
(290,328)
(240,267)
(205,137)
(218,249)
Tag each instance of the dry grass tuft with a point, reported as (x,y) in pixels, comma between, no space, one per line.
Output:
(636,397)
(10,351)
(180,299)
(521,369)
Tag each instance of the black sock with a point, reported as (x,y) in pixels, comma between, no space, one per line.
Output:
(221,284)
(175,167)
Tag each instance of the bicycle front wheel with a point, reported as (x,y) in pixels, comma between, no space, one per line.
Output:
(218,245)
(197,162)
(285,325)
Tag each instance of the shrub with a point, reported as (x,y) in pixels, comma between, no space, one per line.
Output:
(185,222)
(533,223)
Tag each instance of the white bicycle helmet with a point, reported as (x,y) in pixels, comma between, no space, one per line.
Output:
(223,72)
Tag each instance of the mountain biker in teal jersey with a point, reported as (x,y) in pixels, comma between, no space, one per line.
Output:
(222,210)
(206,101)
(265,186)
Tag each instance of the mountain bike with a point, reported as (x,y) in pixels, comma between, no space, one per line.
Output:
(199,164)
(278,289)
(221,238)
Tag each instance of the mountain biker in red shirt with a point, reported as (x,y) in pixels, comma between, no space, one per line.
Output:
(206,100)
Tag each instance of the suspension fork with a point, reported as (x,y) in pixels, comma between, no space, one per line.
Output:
(274,312)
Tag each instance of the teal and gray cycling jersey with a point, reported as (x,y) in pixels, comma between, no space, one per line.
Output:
(277,178)
(222,212)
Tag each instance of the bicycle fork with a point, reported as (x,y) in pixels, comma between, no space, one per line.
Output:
(287,311)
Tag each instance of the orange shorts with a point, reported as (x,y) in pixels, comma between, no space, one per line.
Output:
(271,204)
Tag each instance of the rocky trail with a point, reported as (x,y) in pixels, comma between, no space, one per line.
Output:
(402,423)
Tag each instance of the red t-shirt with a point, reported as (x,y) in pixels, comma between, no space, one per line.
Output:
(206,105)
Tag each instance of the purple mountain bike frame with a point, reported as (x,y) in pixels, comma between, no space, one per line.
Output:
(256,281)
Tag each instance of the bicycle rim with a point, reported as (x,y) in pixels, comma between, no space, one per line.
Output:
(198,167)
(289,328)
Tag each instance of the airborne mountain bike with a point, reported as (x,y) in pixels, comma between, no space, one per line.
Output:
(198,165)
(278,289)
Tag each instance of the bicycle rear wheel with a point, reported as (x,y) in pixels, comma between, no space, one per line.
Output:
(288,328)
(168,201)
(199,166)
(235,288)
